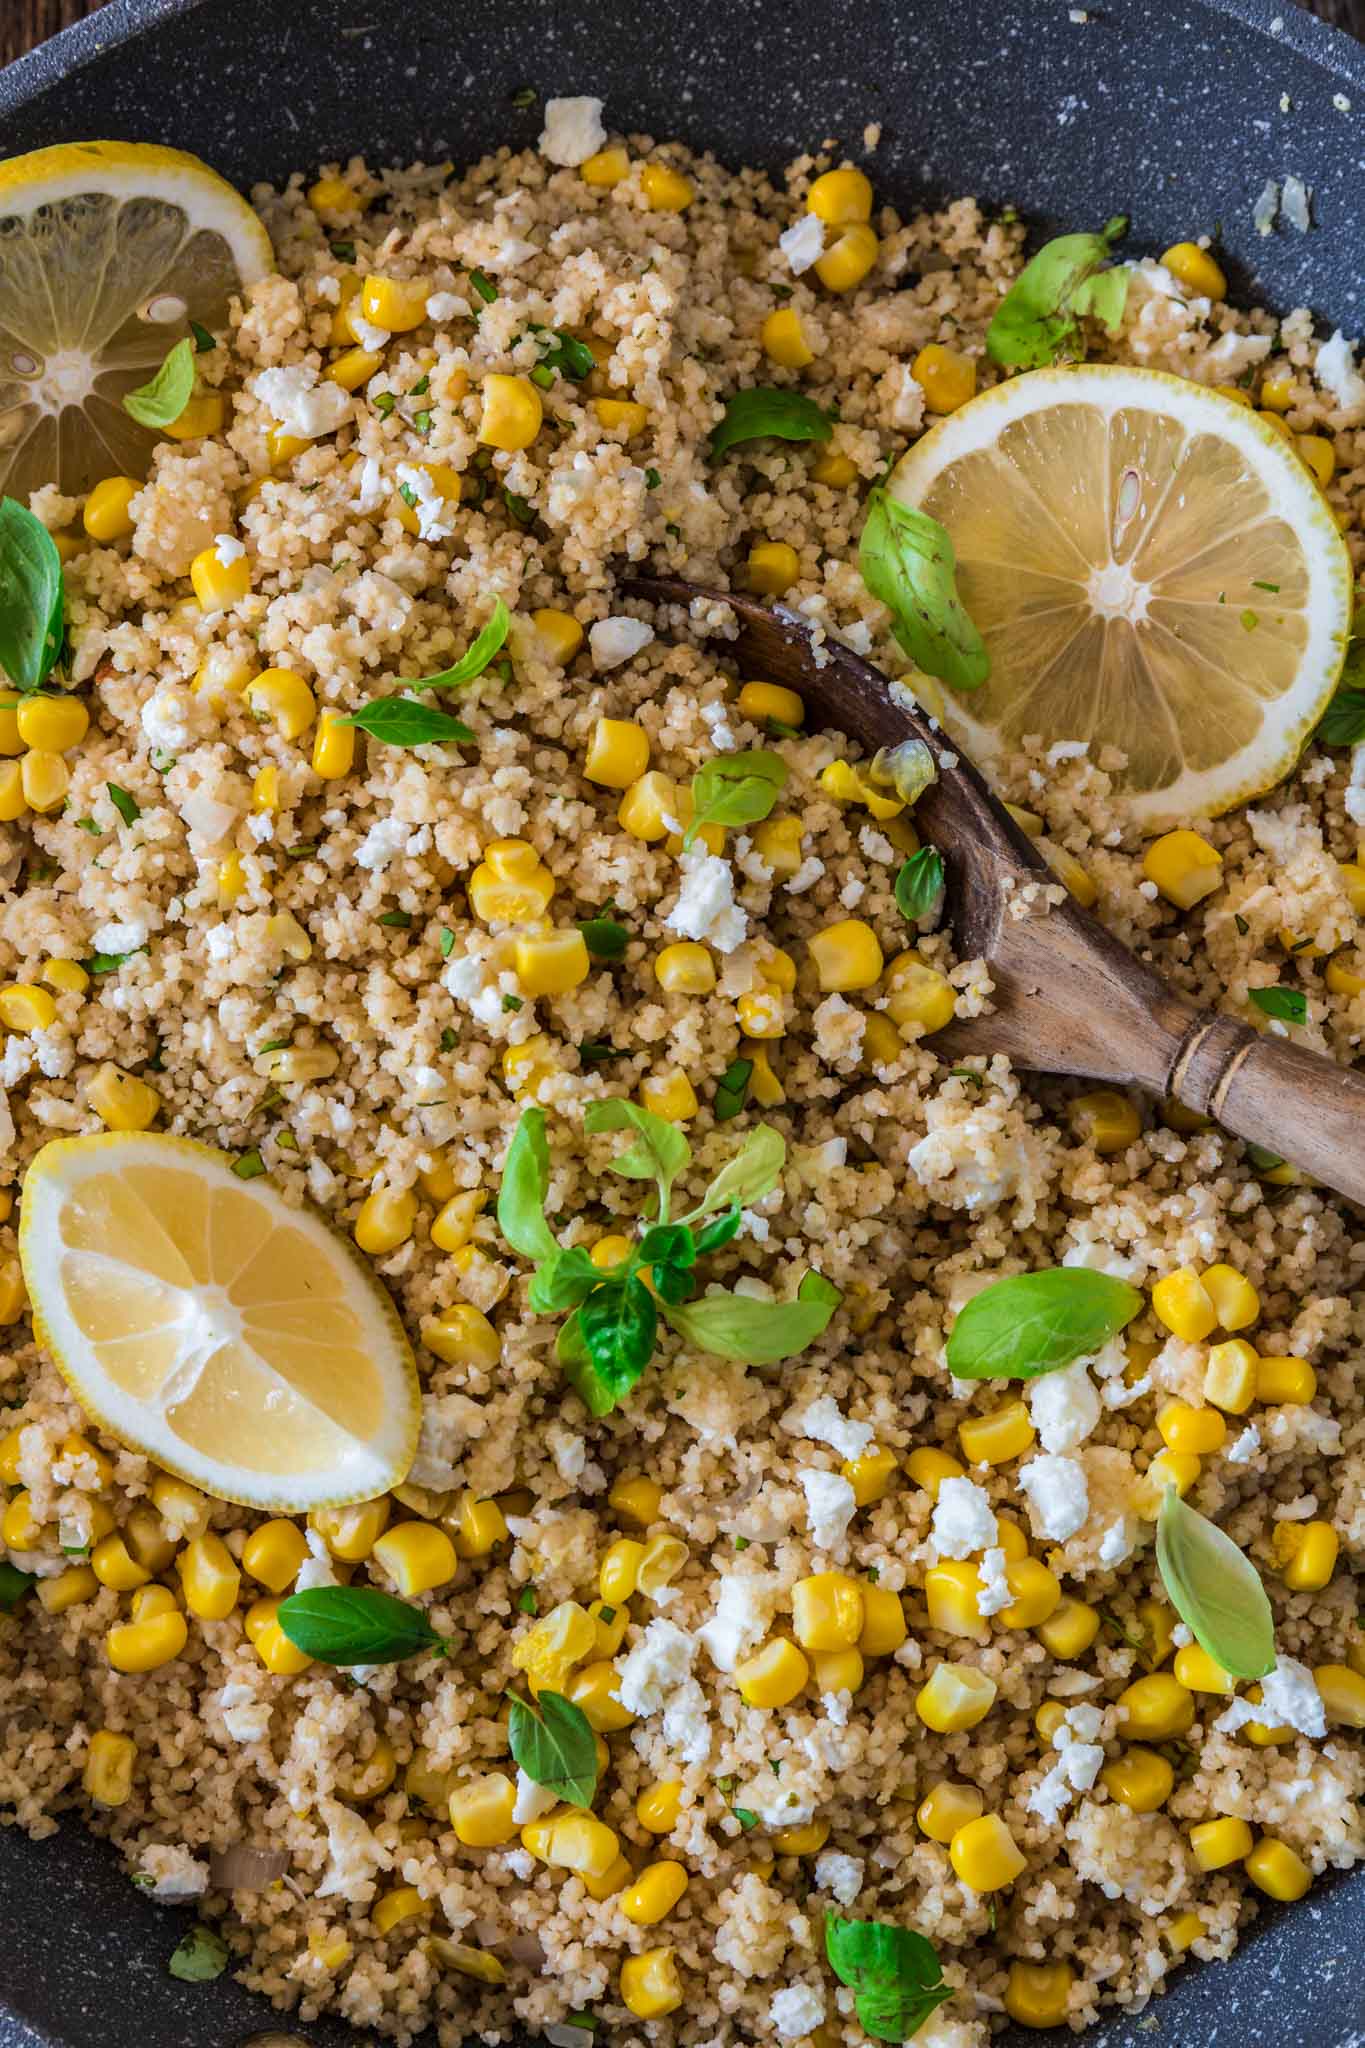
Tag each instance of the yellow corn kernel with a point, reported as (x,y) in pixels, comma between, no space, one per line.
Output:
(121,1101)
(581,1843)
(764,1087)
(354,367)
(847,955)
(918,994)
(552,963)
(66,975)
(281,696)
(665,191)
(650,1986)
(593,1691)
(837,1670)
(1184,1428)
(106,516)
(611,1882)
(18,1528)
(512,412)
(109,1762)
(481,1811)
(1277,1869)
(398,303)
(1343,1694)
(618,753)
(1037,1594)
(559,634)
(68,1589)
(416,1556)
(1182,1932)
(841,196)
(760,701)
(607,168)
(773,1676)
(330,1948)
(282,447)
(636,1499)
(834,470)
(475,1526)
(884,1626)
(778,844)
(333,747)
(685,969)
(664,1557)
(946,378)
(200,415)
(1106,1120)
(1233,1296)
(13,802)
(447,482)
(847,785)
(1069,1630)
(1318,453)
(1038,1994)
(773,566)
(1306,1553)
(1184,867)
(150,1601)
(929,1467)
(669,1095)
(784,340)
(847,261)
(1216,1843)
(1069,872)
(24,1007)
(626,413)
(1158,1707)
(994,1439)
(827,1611)
(1285,1381)
(1195,1668)
(647,805)
(210,1578)
(712,837)
(334,195)
(1157,1624)
(44,779)
(79,1449)
(55,723)
(1277,390)
(10,1450)
(510,899)
(1230,1376)
(558,1641)
(610,1623)
(609,1251)
(144,1533)
(1196,270)
(462,1335)
(265,788)
(620,1570)
(385,1220)
(273,1553)
(10,741)
(136,1646)
(957,1696)
(1011,1539)
(985,1855)
(1178,1469)
(453,1224)
(404,1902)
(659,1805)
(946,1807)
(1182,1303)
(761,1013)
(219,584)
(113,1566)
(869,1475)
(654,1894)
(952,1594)
(1141,1779)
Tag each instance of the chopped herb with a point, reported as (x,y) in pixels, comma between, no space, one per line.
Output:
(164,397)
(421,387)
(400,920)
(919,885)
(604,938)
(652,479)
(384,402)
(607,1614)
(524,97)
(1248,620)
(1257,584)
(741,1543)
(422,421)
(765,412)
(446,941)
(746,1817)
(483,287)
(75,1550)
(409,496)
(977,1080)
(511,1004)
(873,1573)
(249,1167)
(553,1742)
(109,963)
(14,1584)
(519,510)
(286,1141)
(1241,923)
(594,1053)
(30,597)
(404,722)
(775,729)
(89,825)
(302,850)
(1290,1005)
(527,1601)
(672,527)
(272,1045)
(343,251)
(200,1957)
(732,1090)
(203,340)
(543,376)
(725,1786)
(447,1040)
(162,760)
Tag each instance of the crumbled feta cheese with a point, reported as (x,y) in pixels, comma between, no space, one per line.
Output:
(168,719)
(1058,1495)
(317,1568)
(367,333)
(1289,1699)
(823,1421)
(1245,1446)
(964,1520)
(1116,1544)
(1076,1769)
(612,641)
(1337,372)
(371,493)
(228,548)
(1064,1407)
(803,243)
(839,1029)
(387,838)
(744,1607)
(301,405)
(433,514)
(443,306)
(175,1874)
(722,738)
(660,1661)
(830,1507)
(806,876)
(706,907)
(573,130)
(687,1726)
(795,2011)
(533,1800)
(124,936)
(996,1591)
(840,1875)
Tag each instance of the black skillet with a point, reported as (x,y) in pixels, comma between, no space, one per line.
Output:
(1176,112)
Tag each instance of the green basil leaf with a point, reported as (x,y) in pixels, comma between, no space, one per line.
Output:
(754,1172)
(1038,319)
(894,1974)
(661,1152)
(673,1283)
(109,963)
(604,938)
(735,789)
(403,722)
(476,657)
(607,1343)
(919,885)
(30,597)
(203,340)
(906,559)
(525,1184)
(1032,1323)
(1215,1589)
(670,1244)
(355,1625)
(1343,722)
(165,396)
(124,803)
(200,1957)
(814,1286)
(1290,1005)
(13,1586)
(764,412)
(718,1232)
(755,1332)
(732,1090)
(563,1280)
(551,1740)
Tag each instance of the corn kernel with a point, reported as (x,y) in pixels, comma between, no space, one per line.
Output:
(559,634)
(416,1556)
(946,1807)
(841,196)
(847,261)
(66,975)
(282,446)
(54,723)
(25,1008)
(1306,1553)
(654,1894)
(558,1641)
(1141,1779)
(827,1611)
(333,747)
(481,1811)
(1195,1668)
(846,955)
(107,516)
(109,1763)
(69,1588)
(334,195)
(650,1986)
(957,1696)
(581,1843)
(121,1101)
(665,191)
(947,378)
(1343,1694)
(1158,1707)
(625,414)
(773,566)
(607,168)
(453,1225)
(884,1626)
(1038,1994)
(994,1439)
(273,1553)
(1106,1120)
(784,339)
(1216,1843)
(1277,390)
(929,1467)
(669,1095)
(138,1646)
(1196,270)
(282,697)
(1184,867)
(1277,1869)
(646,806)
(150,1601)
(512,412)
(552,963)
(918,995)
(1069,1630)
(385,1220)
(144,1534)
(1182,1303)
(400,304)
(1230,1376)
(985,1855)
(1182,1932)
(685,969)
(403,1903)
(1037,1594)
(219,584)
(44,779)
(618,753)
(1178,1469)
(1184,1428)
(952,1594)
(210,1578)
(773,1676)
(778,844)
(1285,1381)
(1319,456)
(593,1691)
(869,1475)
(636,1499)
(202,414)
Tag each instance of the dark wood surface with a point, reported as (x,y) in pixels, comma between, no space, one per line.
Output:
(26,22)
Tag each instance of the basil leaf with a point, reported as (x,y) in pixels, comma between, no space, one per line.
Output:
(200,1957)
(403,722)
(1032,1323)
(735,789)
(1343,722)
(165,396)
(30,597)
(814,1286)
(525,1184)
(754,1172)
(765,412)
(718,1232)
(754,1332)
(476,657)
(732,1090)
(607,1343)
(670,1244)
(894,1974)
(919,885)
(673,1284)
(1290,1005)
(13,1586)
(203,340)
(1215,1589)
(355,1625)
(661,1153)
(563,1280)
(1038,319)
(109,963)
(551,1740)
(906,559)
(125,804)
(604,938)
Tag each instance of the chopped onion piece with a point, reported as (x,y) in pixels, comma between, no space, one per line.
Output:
(243,1868)
(908,769)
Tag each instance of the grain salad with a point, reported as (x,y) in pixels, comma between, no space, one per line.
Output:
(862,1643)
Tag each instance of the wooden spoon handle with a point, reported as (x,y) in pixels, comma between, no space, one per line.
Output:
(1294,1103)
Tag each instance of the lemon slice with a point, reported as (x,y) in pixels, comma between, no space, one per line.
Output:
(108,250)
(1151,567)
(205,1323)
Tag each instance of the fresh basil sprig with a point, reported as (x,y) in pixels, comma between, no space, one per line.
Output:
(894,1974)
(403,722)
(164,397)
(476,657)
(1032,1323)
(1038,320)
(1290,1005)
(30,597)
(919,885)
(355,1625)
(735,789)
(552,1741)
(764,412)
(906,559)
(1215,1589)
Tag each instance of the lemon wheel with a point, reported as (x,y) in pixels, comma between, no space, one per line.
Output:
(1152,568)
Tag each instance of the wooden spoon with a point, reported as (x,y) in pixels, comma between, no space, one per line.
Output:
(1069,999)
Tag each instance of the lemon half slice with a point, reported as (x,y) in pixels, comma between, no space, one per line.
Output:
(1152,568)
(108,250)
(205,1323)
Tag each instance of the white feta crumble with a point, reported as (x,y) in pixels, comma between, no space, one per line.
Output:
(371,493)
(744,1607)
(1064,1407)
(175,1874)
(317,1568)
(245,1717)
(1116,1544)
(387,838)
(433,514)
(168,719)
(795,2011)
(123,936)
(612,641)
(830,1507)
(840,1875)
(443,306)
(533,1800)
(369,335)
(1337,372)
(302,406)
(839,1029)
(686,1725)
(964,1520)
(1058,1495)
(996,1591)
(823,1421)
(659,1663)
(1289,1699)
(1244,1448)
(803,243)
(573,130)
(706,907)
(1076,1769)
(806,876)
(228,548)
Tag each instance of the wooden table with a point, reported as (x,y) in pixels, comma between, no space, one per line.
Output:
(26,22)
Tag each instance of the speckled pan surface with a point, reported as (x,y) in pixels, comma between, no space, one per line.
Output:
(1176,114)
